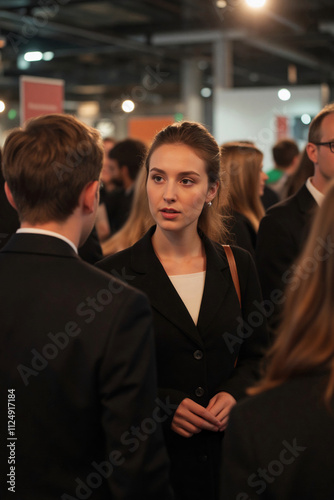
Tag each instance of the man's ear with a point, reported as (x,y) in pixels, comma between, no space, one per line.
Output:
(312,152)
(89,197)
(10,196)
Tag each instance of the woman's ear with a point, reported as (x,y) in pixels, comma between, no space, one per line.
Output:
(10,196)
(212,191)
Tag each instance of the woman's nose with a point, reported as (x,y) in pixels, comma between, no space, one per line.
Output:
(170,192)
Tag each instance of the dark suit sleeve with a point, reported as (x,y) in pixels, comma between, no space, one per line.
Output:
(251,338)
(131,413)
(238,464)
(274,255)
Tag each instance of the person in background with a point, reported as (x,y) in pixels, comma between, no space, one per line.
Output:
(279,442)
(243,165)
(285,227)
(107,185)
(286,157)
(204,360)
(125,158)
(77,365)
(304,170)
(138,222)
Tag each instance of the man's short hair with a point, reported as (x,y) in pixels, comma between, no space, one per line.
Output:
(47,164)
(284,152)
(314,131)
(129,153)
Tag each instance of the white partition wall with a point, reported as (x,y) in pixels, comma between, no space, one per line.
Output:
(251,114)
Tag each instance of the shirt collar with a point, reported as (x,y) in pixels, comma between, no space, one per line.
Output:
(33,230)
(317,195)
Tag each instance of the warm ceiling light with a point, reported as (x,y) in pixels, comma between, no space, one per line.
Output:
(221,4)
(33,56)
(256,4)
(2,106)
(128,106)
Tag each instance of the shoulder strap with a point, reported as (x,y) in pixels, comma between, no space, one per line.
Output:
(233,269)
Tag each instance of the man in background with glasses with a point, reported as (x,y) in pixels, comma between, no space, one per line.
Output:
(284,229)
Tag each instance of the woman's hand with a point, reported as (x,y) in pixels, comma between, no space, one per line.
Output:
(220,406)
(190,418)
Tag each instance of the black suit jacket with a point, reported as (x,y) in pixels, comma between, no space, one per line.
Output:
(281,236)
(77,349)
(279,444)
(197,361)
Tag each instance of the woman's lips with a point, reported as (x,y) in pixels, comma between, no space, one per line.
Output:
(169,213)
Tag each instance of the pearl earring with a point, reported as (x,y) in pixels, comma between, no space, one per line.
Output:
(210,204)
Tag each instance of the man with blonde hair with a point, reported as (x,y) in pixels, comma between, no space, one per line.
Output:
(79,416)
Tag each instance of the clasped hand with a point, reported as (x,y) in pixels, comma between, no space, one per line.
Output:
(191,418)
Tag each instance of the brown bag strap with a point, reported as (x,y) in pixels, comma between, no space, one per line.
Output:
(233,269)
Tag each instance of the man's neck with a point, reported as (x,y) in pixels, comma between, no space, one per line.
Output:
(64,229)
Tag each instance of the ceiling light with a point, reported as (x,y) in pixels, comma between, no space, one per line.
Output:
(306,119)
(48,56)
(33,56)
(206,92)
(128,106)
(284,94)
(255,4)
(2,106)
(221,4)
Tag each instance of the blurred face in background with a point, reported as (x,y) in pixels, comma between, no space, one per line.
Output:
(262,180)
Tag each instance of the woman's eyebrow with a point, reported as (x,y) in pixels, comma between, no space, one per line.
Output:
(188,172)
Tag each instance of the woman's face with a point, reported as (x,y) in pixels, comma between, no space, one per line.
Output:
(262,180)
(177,187)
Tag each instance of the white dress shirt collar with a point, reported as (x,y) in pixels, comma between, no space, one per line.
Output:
(33,230)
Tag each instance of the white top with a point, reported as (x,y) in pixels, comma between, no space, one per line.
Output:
(317,195)
(35,230)
(190,287)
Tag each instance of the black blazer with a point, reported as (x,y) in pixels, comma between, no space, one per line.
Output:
(197,361)
(279,444)
(77,348)
(281,236)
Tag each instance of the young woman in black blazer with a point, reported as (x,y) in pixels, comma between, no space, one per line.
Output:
(207,348)
(280,442)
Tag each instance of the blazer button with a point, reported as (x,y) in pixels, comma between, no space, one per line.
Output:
(199,392)
(198,354)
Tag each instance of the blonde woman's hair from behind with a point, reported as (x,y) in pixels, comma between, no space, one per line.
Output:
(138,222)
(305,339)
(243,163)
(196,136)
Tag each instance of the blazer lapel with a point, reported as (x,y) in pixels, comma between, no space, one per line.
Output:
(153,280)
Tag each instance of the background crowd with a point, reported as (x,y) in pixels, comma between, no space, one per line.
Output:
(177,368)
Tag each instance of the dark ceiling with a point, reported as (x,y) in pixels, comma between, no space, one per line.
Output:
(104,50)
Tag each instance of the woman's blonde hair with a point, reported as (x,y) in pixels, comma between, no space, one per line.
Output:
(305,338)
(242,163)
(138,222)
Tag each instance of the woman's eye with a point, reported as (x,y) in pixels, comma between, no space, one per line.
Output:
(187,182)
(157,178)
